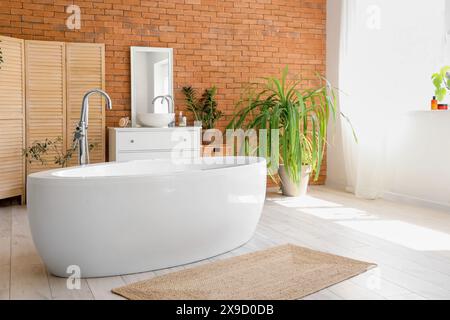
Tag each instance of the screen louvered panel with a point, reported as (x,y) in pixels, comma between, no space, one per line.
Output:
(12,118)
(45,96)
(85,71)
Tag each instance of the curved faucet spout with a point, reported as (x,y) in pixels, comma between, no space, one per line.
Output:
(162,101)
(170,104)
(81,131)
(85,103)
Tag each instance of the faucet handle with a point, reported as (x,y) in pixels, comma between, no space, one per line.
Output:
(78,134)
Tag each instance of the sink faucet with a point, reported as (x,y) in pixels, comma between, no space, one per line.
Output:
(171,104)
(168,98)
(162,101)
(81,136)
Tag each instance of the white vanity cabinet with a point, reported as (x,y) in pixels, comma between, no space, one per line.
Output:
(127,144)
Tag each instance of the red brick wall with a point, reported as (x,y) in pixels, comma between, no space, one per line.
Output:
(226,43)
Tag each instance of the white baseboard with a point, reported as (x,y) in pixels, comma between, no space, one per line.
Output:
(392,196)
(336,185)
(416,201)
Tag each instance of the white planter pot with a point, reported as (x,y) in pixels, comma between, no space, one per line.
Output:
(291,189)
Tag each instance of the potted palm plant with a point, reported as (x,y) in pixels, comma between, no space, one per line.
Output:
(299,117)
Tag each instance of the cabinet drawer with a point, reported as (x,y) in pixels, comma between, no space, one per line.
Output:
(137,141)
(179,154)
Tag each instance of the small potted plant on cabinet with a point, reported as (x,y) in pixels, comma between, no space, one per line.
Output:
(204,108)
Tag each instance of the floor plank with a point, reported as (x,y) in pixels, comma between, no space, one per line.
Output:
(29,282)
(28,275)
(61,291)
(101,287)
(373,281)
(132,278)
(323,295)
(350,291)
(5,276)
(410,296)
(5,252)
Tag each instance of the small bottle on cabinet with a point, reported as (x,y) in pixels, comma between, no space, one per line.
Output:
(434,104)
(180,119)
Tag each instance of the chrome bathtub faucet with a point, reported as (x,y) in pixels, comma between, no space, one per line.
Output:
(81,136)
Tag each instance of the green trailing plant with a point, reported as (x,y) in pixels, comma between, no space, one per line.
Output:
(298,116)
(37,151)
(441,81)
(204,108)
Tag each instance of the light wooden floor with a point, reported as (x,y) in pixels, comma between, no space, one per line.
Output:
(411,246)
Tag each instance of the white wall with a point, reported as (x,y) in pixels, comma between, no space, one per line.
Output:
(384,71)
(420,159)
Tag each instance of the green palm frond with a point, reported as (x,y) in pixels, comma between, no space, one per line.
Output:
(301,116)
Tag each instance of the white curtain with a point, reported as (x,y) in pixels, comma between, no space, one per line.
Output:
(388,51)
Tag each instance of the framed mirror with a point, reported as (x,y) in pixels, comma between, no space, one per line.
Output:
(151,77)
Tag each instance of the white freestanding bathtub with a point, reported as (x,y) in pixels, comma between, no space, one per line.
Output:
(122,218)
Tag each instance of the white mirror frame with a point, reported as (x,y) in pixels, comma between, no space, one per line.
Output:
(133,51)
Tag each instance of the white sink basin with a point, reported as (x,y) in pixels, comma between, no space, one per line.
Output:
(155,120)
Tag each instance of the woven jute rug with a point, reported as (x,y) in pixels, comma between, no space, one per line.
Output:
(286,272)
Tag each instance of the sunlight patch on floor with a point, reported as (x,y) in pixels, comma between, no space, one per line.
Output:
(402,233)
(338,214)
(304,202)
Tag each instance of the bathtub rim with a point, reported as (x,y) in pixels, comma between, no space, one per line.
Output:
(49,175)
